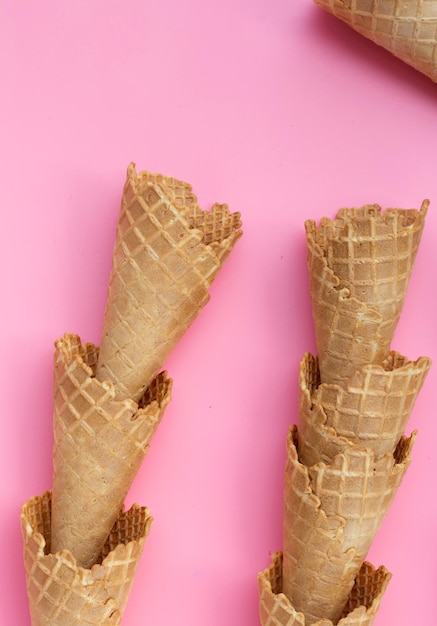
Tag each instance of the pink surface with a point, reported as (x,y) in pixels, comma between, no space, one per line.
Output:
(284,113)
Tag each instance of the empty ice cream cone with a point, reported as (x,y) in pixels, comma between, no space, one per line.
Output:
(167,253)
(99,445)
(331,515)
(406,28)
(371,410)
(61,592)
(348,454)
(80,549)
(363,602)
(360,264)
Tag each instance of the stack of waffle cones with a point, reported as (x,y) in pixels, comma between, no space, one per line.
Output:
(81,549)
(406,28)
(348,454)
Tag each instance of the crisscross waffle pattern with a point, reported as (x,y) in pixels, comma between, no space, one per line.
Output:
(99,445)
(331,514)
(362,605)
(372,409)
(167,254)
(360,490)
(349,335)
(216,225)
(60,592)
(406,28)
(367,590)
(316,440)
(360,265)
(373,252)
(348,455)
(318,572)
(122,551)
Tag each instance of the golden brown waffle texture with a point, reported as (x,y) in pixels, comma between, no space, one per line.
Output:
(348,453)
(406,28)
(167,253)
(99,445)
(81,549)
(61,592)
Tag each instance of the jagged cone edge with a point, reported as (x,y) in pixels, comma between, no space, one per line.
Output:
(166,256)
(331,514)
(216,231)
(59,591)
(275,608)
(99,445)
(351,332)
(371,410)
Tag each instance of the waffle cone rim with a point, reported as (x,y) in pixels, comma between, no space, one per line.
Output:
(86,575)
(265,585)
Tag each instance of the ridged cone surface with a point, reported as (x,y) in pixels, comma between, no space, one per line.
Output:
(331,515)
(406,28)
(99,445)
(359,264)
(361,606)
(166,256)
(348,455)
(60,592)
(371,411)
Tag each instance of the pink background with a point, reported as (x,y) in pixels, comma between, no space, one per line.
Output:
(284,113)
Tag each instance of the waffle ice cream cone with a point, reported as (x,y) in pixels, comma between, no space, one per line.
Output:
(167,253)
(80,548)
(347,456)
(371,410)
(360,609)
(406,28)
(360,264)
(331,515)
(99,445)
(62,593)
